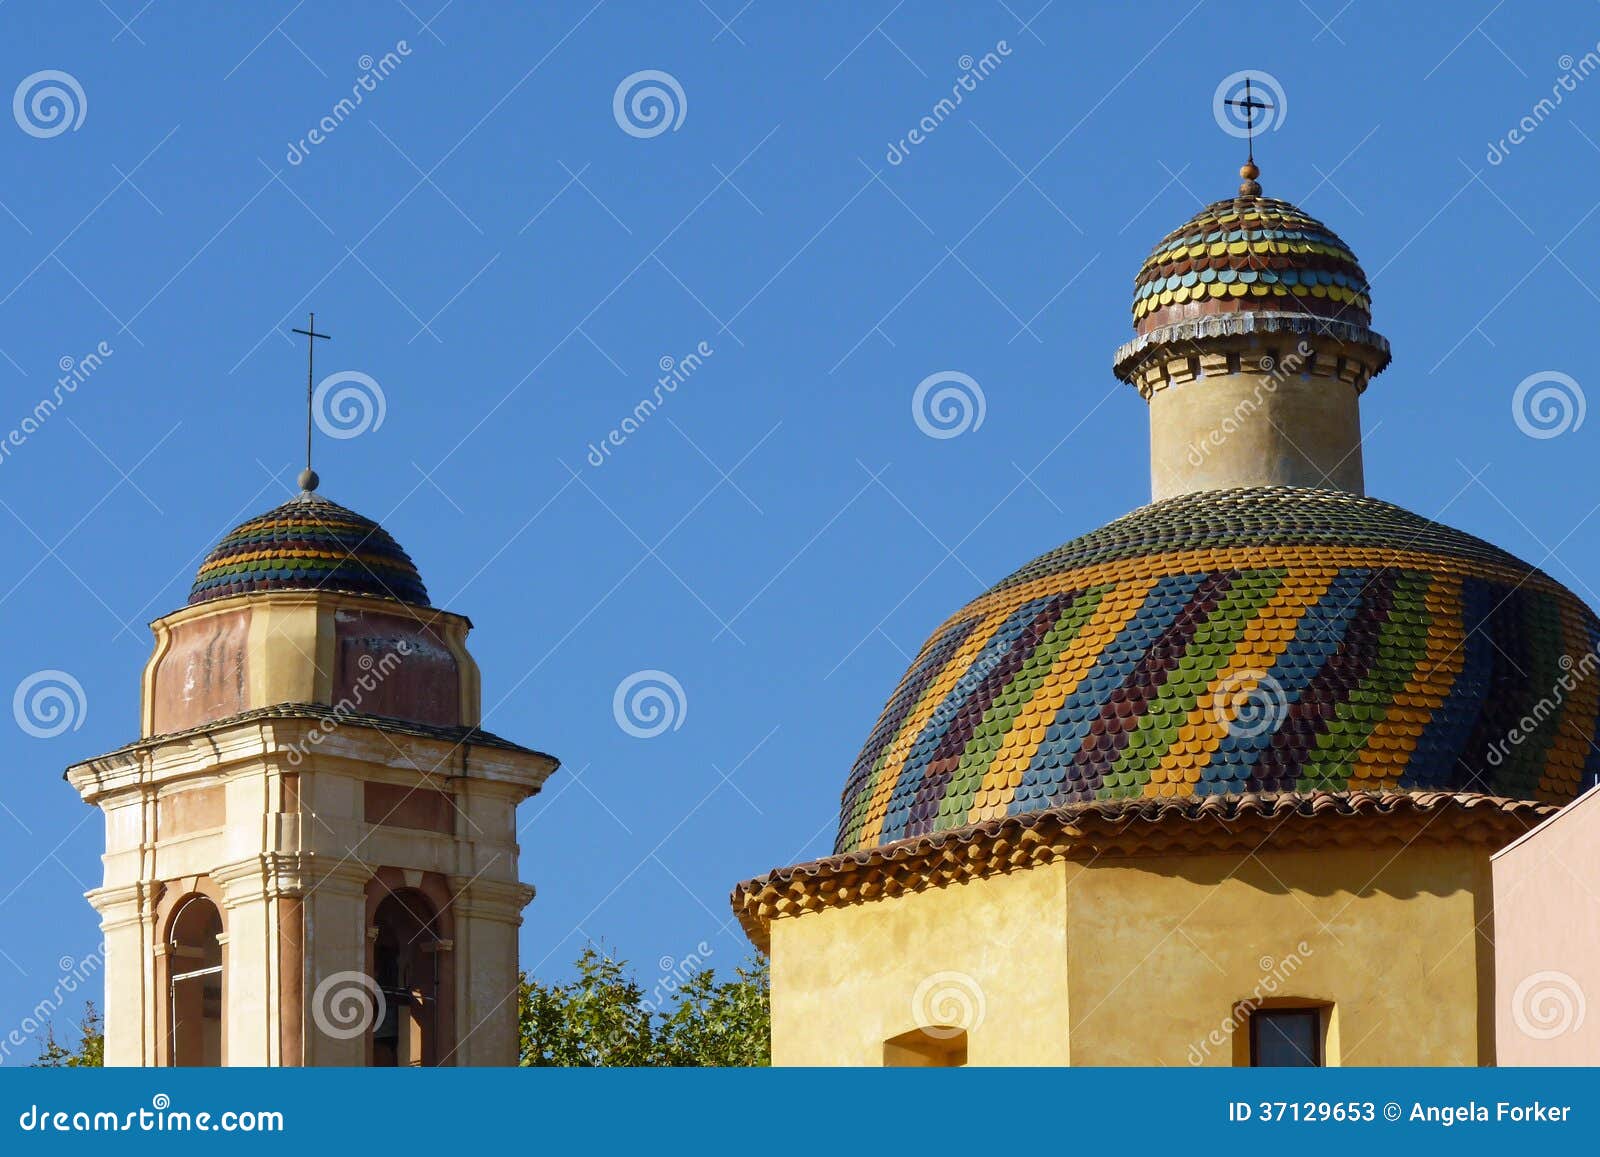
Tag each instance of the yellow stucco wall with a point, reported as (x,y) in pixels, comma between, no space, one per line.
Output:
(846,980)
(1143,961)
(1160,950)
(1228,430)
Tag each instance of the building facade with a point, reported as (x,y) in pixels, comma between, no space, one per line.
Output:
(311,852)
(1547,940)
(1219,782)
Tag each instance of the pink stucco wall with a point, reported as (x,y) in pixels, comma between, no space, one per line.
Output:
(1547,941)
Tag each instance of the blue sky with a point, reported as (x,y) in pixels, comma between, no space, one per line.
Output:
(511,266)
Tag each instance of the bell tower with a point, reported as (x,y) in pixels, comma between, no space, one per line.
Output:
(311,850)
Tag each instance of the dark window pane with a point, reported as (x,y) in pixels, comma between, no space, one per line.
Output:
(1286,1038)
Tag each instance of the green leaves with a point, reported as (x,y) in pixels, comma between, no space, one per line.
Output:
(602,1018)
(91,1050)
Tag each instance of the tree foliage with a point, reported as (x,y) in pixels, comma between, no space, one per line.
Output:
(90,1052)
(603,1017)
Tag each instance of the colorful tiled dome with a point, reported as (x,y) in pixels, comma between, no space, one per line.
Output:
(1250,254)
(309,543)
(1236,641)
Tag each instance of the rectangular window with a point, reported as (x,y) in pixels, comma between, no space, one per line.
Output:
(1286,1038)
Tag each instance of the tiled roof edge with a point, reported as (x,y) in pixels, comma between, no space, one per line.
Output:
(1130,828)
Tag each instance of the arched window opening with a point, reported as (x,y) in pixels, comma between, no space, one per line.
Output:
(194,960)
(931,1047)
(405,963)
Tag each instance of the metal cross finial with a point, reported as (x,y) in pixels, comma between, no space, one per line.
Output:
(1250,105)
(308,477)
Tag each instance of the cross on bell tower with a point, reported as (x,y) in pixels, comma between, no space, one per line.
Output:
(308,476)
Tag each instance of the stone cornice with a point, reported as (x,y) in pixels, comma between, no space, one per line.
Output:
(1132,828)
(120,904)
(278,736)
(1366,352)
(273,875)
(491,899)
(334,600)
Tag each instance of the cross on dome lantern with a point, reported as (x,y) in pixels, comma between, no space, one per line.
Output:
(1249,186)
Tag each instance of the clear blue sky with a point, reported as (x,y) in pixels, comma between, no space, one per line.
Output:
(486,242)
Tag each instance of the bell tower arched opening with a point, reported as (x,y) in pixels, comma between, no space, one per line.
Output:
(194,987)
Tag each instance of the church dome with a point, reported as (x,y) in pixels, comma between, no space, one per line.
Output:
(309,543)
(1250,264)
(1250,254)
(1228,642)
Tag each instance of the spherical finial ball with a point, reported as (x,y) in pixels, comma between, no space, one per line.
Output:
(308,480)
(1249,171)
